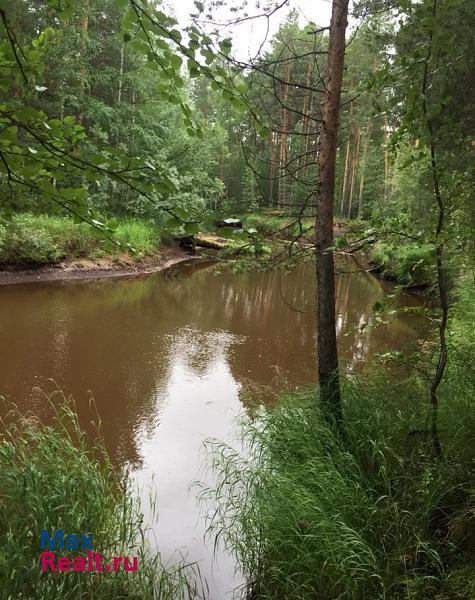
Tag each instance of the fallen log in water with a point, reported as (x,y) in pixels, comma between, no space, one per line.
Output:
(211,241)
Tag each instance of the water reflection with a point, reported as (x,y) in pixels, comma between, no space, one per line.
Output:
(167,358)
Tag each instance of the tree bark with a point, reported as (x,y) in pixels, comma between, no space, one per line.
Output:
(83,73)
(301,166)
(347,162)
(363,170)
(353,169)
(272,168)
(345,177)
(328,374)
(281,195)
(121,74)
(386,159)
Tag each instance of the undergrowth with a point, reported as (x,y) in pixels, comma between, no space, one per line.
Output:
(28,239)
(407,263)
(51,478)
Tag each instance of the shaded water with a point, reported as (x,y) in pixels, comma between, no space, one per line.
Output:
(170,361)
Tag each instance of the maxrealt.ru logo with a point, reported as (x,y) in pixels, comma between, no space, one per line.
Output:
(90,561)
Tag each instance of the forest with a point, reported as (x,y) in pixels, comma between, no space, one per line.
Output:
(237,310)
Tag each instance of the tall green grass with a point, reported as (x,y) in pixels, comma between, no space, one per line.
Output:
(142,236)
(29,239)
(52,478)
(40,239)
(375,517)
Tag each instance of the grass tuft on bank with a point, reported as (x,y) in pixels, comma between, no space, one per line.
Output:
(51,478)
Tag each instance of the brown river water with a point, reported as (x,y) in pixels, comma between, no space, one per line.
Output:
(172,359)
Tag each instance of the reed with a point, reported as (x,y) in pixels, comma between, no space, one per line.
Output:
(52,477)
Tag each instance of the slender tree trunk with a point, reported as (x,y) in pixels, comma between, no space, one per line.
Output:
(121,74)
(308,136)
(272,168)
(281,199)
(347,162)
(363,170)
(325,301)
(133,117)
(304,142)
(353,169)
(345,177)
(386,159)
(439,253)
(82,82)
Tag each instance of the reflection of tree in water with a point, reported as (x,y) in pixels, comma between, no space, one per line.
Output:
(121,339)
(199,352)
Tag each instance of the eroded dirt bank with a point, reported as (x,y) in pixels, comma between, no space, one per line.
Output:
(115,266)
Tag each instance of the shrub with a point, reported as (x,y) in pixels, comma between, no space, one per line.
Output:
(408,263)
(40,239)
(24,243)
(74,240)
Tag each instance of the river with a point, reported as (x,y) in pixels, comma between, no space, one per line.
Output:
(172,359)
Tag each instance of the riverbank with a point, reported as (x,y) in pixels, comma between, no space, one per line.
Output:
(118,265)
(408,264)
(55,248)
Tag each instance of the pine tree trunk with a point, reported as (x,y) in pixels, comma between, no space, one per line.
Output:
(363,170)
(82,81)
(272,168)
(328,375)
(345,178)
(281,199)
(303,158)
(347,163)
(353,170)
(386,158)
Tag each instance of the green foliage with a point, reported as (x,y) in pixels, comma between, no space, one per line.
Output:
(52,478)
(28,239)
(410,263)
(280,226)
(104,134)
(375,517)
(40,239)
(21,244)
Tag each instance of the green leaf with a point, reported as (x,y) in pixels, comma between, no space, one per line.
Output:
(225,46)
(192,228)
(172,223)
(176,61)
(9,135)
(225,232)
(176,35)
